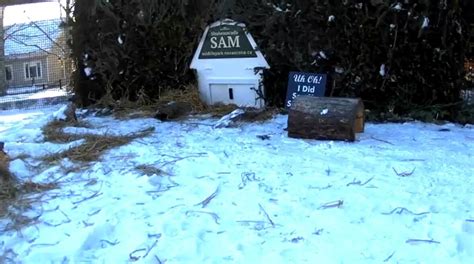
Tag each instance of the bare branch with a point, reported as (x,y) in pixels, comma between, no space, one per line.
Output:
(416,241)
(401,210)
(209,199)
(14,39)
(46,35)
(404,173)
(268,217)
(381,140)
(389,257)
(332,204)
(354,182)
(96,194)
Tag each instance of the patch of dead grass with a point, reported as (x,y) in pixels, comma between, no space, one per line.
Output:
(16,199)
(53,131)
(94,146)
(125,109)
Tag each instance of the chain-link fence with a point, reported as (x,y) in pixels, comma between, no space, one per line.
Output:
(36,64)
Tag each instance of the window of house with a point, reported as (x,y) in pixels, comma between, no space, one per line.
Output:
(8,72)
(33,70)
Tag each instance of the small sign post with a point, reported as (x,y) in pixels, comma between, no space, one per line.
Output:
(304,83)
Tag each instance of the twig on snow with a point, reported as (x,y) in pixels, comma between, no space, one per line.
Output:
(354,182)
(328,171)
(198,155)
(96,194)
(332,204)
(110,243)
(67,221)
(87,224)
(44,245)
(94,213)
(389,257)
(150,248)
(247,177)
(214,215)
(416,241)
(320,188)
(412,160)
(381,140)
(470,220)
(206,201)
(404,173)
(133,255)
(401,210)
(268,217)
(159,260)
(135,258)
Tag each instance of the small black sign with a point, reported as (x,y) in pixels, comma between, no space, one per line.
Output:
(304,83)
(226,41)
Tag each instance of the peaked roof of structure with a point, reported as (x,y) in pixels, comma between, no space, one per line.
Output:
(36,36)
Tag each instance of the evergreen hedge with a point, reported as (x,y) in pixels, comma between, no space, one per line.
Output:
(401,57)
(135,49)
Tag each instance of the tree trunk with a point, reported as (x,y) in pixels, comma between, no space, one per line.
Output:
(326,118)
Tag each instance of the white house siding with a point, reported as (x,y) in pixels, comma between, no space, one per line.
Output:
(18,72)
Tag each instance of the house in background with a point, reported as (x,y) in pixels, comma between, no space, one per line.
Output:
(35,54)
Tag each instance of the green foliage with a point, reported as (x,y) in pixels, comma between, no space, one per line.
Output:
(352,41)
(136,48)
(465,114)
(379,50)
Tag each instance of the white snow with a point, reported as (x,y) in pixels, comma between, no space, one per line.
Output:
(426,22)
(338,69)
(322,54)
(331,18)
(32,93)
(120,40)
(324,111)
(402,193)
(88,71)
(60,113)
(382,70)
(229,118)
(398,6)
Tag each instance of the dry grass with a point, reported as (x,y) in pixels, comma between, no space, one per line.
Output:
(16,200)
(259,115)
(53,131)
(94,146)
(189,95)
(125,109)
(13,200)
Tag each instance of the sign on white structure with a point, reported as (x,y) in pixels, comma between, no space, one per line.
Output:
(229,66)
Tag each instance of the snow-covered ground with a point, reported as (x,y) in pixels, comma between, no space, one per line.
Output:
(402,193)
(31,97)
(34,92)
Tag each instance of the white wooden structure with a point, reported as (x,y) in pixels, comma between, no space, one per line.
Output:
(229,66)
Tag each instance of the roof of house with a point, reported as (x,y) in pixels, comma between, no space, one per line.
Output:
(36,36)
